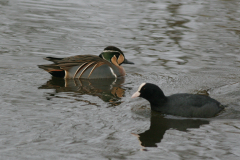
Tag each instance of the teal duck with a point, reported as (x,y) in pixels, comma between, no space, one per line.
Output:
(106,65)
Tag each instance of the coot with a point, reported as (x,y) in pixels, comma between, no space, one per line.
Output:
(181,104)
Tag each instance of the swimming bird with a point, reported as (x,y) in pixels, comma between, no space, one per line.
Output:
(181,104)
(106,65)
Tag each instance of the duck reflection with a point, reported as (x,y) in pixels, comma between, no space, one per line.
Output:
(109,90)
(159,125)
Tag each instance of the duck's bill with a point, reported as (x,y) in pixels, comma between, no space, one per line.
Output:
(136,94)
(127,62)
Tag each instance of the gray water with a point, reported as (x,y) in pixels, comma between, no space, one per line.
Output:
(182,46)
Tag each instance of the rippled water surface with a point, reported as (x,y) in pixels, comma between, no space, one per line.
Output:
(182,46)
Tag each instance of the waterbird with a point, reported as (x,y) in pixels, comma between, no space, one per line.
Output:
(106,65)
(180,104)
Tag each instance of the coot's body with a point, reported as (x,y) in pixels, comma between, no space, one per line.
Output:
(183,104)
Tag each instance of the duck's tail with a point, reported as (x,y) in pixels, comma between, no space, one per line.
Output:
(53,69)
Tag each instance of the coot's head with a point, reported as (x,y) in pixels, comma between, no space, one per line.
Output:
(150,92)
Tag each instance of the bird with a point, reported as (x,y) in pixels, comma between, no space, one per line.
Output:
(180,104)
(106,65)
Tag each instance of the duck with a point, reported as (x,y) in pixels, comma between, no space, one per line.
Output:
(106,65)
(180,104)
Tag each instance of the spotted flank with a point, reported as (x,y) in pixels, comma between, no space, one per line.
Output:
(106,65)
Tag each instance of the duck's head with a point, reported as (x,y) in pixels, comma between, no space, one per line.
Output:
(150,92)
(114,55)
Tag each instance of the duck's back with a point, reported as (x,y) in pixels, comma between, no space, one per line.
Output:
(191,105)
(83,66)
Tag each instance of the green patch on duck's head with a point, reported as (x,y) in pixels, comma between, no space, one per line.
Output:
(111,54)
(114,55)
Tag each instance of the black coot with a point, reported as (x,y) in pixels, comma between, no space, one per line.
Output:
(182,104)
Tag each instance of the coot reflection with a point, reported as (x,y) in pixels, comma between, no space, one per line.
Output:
(159,125)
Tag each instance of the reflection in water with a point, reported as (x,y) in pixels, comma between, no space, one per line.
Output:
(183,46)
(109,90)
(159,125)
(175,24)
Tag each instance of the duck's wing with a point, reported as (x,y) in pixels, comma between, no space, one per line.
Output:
(80,60)
(72,66)
(53,59)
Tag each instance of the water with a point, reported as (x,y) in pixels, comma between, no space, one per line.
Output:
(182,46)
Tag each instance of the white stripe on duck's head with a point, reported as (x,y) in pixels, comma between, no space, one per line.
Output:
(114,55)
